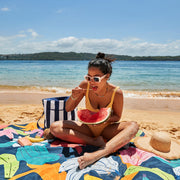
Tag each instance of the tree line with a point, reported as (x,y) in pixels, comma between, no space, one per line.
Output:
(82,56)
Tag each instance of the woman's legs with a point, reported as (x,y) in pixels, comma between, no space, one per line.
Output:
(118,135)
(75,132)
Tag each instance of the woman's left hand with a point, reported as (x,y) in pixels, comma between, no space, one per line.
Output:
(113,119)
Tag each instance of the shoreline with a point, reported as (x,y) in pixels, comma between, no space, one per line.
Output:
(127,93)
(140,100)
(151,113)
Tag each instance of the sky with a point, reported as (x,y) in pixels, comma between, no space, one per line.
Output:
(123,27)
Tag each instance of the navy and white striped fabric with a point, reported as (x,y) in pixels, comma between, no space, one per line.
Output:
(54,110)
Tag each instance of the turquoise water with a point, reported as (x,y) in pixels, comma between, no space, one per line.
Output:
(129,75)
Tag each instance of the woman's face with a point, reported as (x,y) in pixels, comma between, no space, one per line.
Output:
(95,72)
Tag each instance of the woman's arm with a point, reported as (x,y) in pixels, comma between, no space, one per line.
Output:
(117,107)
(76,96)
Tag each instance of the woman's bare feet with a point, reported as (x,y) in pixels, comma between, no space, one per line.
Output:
(86,159)
(89,158)
(47,134)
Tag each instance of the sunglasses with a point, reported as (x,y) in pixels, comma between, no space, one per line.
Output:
(94,78)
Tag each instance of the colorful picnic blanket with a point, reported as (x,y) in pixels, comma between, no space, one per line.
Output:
(57,159)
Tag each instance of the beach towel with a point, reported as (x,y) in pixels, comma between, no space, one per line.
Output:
(56,159)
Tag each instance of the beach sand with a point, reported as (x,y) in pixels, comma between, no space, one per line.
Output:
(152,114)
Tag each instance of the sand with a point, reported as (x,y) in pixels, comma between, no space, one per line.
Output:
(152,114)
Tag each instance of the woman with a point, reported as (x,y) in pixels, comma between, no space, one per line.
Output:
(99,93)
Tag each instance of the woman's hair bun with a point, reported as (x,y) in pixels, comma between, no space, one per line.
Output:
(102,62)
(100,55)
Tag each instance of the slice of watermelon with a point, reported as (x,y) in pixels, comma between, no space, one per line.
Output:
(88,117)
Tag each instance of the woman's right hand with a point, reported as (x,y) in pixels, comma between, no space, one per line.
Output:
(76,96)
(77,92)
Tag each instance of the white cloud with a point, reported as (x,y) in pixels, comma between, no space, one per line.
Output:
(33,33)
(22,43)
(21,35)
(5,9)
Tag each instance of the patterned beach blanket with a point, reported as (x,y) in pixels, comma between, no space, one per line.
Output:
(57,159)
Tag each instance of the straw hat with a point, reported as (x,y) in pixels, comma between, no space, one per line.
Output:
(160,144)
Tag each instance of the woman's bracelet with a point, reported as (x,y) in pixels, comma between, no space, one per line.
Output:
(73,98)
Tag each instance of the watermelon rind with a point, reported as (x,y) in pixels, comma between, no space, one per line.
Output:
(88,117)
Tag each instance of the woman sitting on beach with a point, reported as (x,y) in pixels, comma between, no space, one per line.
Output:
(110,135)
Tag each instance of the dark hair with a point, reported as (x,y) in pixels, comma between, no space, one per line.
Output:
(102,62)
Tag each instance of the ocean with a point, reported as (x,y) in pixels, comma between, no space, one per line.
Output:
(160,78)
